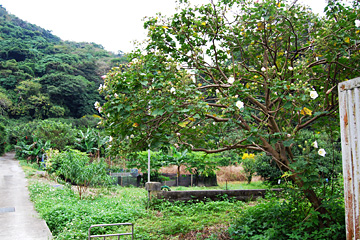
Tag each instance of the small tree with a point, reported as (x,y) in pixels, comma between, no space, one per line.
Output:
(177,158)
(237,74)
(248,164)
(75,166)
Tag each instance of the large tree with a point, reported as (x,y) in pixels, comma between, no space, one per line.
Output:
(236,74)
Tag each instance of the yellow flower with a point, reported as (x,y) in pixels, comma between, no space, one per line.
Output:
(347,40)
(306,111)
(165,27)
(279,4)
(203,23)
(135,125)
(247,155)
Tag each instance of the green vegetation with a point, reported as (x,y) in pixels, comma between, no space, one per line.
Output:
(75,167)
(287,219)
(208,89)
(256,79)
(69,218)
(42,76)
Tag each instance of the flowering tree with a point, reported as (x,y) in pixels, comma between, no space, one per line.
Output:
(235,74)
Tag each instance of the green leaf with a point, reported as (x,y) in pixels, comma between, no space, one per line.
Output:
(287,143)
(157,112)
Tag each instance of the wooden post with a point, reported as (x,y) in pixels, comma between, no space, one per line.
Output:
(349,104)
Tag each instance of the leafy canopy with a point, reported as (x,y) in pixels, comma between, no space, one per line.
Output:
(233,74)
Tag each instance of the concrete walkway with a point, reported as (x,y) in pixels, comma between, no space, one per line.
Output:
(18,219)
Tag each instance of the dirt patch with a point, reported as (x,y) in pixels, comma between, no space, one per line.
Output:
(220,231)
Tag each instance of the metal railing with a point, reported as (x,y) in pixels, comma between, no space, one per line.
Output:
(112,235)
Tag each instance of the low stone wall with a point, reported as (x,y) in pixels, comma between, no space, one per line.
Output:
(215,195)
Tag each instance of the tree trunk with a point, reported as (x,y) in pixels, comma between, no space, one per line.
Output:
(315,202)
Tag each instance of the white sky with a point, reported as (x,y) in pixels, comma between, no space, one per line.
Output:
(114,24)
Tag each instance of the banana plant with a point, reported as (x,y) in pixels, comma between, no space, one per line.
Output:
(177,158)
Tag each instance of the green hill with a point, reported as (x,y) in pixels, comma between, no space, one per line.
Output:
(42,76)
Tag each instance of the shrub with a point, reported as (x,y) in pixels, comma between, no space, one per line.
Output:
(248,164)
(58,133)
(2,139)
(292,218)
(267,169)
(75,166)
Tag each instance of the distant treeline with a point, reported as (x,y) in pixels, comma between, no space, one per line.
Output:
(42,76)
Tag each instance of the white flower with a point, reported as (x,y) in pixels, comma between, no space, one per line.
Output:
(288,135)
(97,105)
(135,60)
(322,152)
(99,109)
(240,104)
(115,95)
(100,87)
(110,139)
(217,91)
(290,68)
(263,69)
(231,80)
(132,136)
(313,94)
(315,144)
(172,90)
(214,123)
(103,76)
(357,23)
(193,78)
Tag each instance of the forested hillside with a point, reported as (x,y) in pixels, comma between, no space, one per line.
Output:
(42,76)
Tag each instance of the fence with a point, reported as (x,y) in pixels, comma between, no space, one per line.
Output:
(349,103)
(112,235)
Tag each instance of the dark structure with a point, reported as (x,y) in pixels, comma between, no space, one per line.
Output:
(215,195)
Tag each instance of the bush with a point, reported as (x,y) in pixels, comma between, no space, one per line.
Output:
(75,166)
(58,133)
(3,138)
(248,164)
(288,219)
(267,169)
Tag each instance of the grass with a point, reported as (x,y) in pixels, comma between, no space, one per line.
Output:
(68,217)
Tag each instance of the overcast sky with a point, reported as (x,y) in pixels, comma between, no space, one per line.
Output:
(112,23)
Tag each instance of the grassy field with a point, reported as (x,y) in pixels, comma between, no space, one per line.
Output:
(68,217)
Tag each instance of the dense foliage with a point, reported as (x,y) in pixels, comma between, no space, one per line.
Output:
(3,138)
(75,167)
(42,76)
(239,74)
(288,219)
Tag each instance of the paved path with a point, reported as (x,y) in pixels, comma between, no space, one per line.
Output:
(18,219)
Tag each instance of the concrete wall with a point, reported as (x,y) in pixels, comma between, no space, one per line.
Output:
(215,195)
